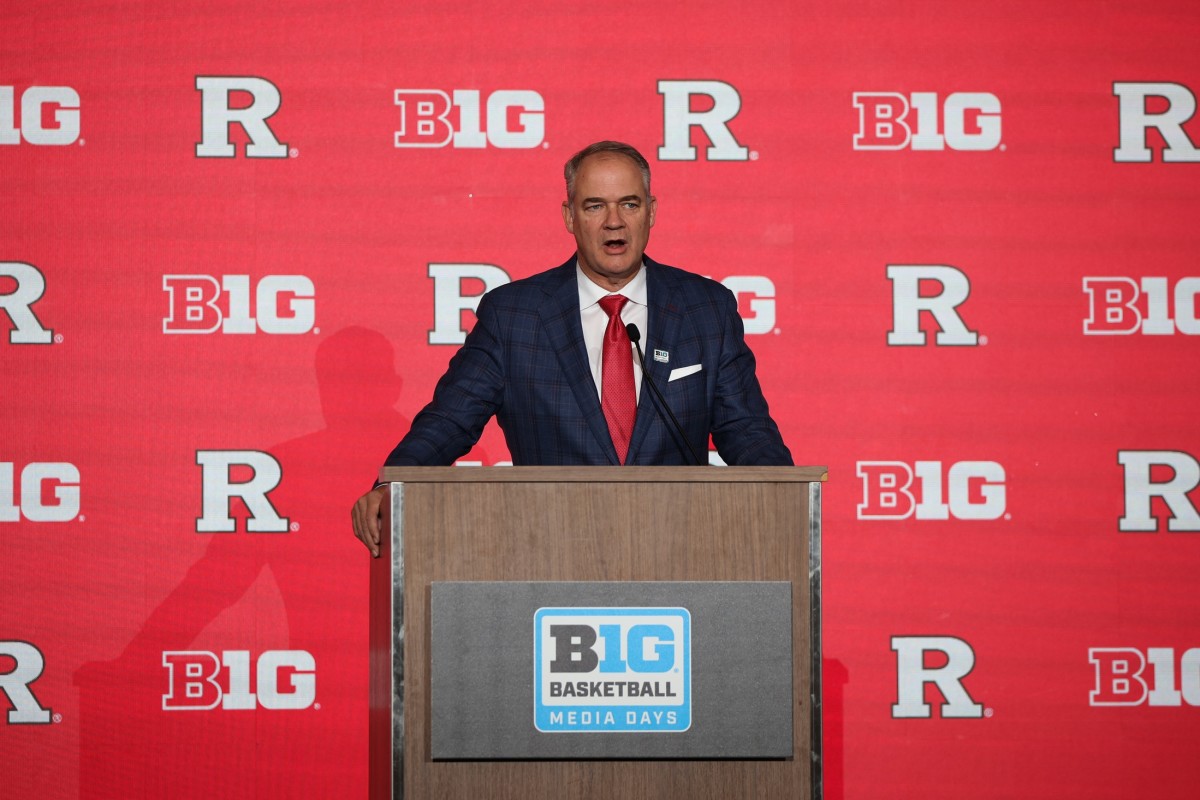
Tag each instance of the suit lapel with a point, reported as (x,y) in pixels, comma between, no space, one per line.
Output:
(560,316)
(664,325)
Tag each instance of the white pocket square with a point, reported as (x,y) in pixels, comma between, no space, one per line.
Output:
(683,372)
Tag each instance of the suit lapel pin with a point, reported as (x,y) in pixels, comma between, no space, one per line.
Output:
(662,356)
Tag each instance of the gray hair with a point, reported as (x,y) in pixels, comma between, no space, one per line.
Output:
(618,148)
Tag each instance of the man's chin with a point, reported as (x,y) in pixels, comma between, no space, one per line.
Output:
(613,267)
(621,263)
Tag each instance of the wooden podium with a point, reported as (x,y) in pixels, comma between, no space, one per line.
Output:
(587,524)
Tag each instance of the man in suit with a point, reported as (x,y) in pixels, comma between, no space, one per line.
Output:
(550,356)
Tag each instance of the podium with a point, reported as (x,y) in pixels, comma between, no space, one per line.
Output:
(466,549)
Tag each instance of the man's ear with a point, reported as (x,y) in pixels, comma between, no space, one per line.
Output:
(568,216)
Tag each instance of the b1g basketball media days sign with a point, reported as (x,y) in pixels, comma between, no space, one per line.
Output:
(613,670)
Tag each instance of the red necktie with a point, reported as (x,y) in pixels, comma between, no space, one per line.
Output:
(617,395)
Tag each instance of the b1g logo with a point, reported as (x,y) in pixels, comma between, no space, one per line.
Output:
(1176,105)
(199,680)
(932,289)
(49,492)
(218,489)
(28,663)
(1166,475)
(22,285)
(515,119)
(756,294)
(1122,679)
(969,121)
(893,490)
(458,288)
(1120,306)
(680,98)
(283,304)
(219,113)
(612,669)
(917,666)
(59,103)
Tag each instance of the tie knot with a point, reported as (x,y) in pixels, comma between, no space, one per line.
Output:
(612,304)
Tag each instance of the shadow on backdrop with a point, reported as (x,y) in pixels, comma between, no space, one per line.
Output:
(130,746)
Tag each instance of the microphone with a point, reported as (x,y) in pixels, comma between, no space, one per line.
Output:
(635,336)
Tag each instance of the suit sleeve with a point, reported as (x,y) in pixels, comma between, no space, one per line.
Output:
(466,397)
(742,428)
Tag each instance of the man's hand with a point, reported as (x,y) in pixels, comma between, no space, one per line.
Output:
(366,516)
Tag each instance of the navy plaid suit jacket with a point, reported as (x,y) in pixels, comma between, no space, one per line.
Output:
(525,362)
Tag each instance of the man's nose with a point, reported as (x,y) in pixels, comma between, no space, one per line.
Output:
(613,219)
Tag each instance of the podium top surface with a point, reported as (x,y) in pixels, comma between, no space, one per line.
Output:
(603,474)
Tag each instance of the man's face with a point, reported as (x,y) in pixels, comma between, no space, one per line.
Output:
(610,217)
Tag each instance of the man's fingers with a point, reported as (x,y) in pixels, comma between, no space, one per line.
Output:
(366,517)
(374,501)
(358,516)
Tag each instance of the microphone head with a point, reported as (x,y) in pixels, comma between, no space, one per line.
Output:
(635,335)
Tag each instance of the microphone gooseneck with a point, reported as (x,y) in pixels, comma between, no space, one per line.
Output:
(635,336)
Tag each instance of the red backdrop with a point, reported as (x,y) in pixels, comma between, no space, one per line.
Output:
(239,240)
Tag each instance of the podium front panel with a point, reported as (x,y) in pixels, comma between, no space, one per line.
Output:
(580,670)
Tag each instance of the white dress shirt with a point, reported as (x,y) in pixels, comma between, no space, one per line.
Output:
(595,321)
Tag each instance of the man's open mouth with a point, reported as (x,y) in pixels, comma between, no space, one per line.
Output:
(614,244)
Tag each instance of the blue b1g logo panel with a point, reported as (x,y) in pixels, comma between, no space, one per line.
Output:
(612,669)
